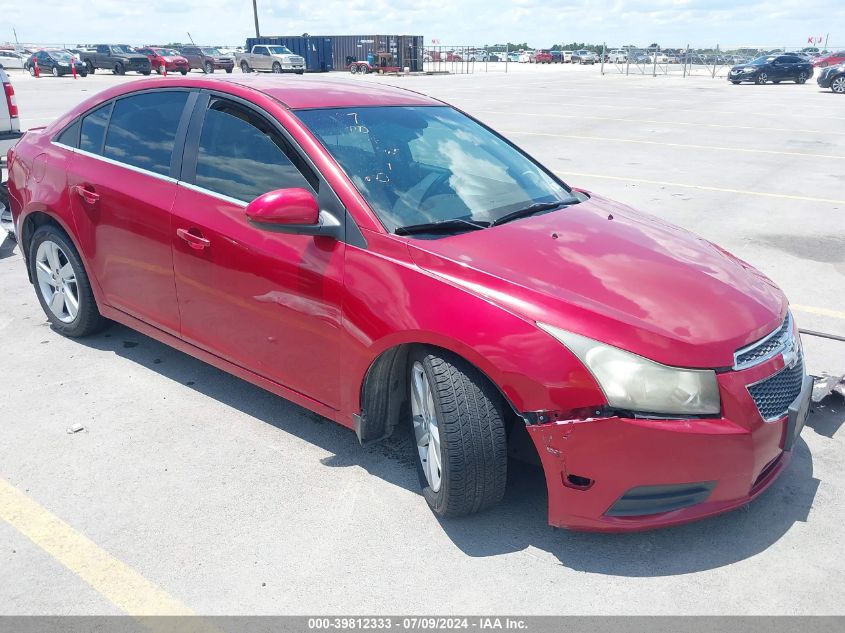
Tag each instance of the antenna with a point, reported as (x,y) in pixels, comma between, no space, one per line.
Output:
(191,38)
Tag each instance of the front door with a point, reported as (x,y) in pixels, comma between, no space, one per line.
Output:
(269,302)
(121,194)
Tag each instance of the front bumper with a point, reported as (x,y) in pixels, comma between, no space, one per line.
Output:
(741,76)
(618,474)
(227,64)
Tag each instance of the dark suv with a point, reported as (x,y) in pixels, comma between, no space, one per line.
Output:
(207,58)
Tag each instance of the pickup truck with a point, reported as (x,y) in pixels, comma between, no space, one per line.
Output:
(118,58)
(10,132)
(207,59)
(271,58)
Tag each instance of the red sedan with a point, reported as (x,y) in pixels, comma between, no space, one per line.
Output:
(830,59)
(165,59)
(385,260)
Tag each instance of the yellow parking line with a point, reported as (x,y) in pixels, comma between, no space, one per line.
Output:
(116,581)
(836,314)
(764,194)
(683,145)
(662,122)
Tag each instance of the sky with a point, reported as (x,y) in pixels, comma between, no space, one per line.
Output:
(541,23)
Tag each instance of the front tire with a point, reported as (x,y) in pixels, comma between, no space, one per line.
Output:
(459,434)
(229,70)
(761,79)
(277,68)
(118,69)
(208,68)
(90,66)
(184,72)
(245,68)
(61,284)
(838,85)
(801,78)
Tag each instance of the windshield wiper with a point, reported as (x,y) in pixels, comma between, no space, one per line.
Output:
(537,207)
(443,226)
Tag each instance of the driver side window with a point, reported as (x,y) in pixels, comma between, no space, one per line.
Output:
(241,156)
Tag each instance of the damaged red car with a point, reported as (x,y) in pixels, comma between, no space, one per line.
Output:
(389,262)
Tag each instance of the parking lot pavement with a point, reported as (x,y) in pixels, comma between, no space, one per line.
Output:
(213,496)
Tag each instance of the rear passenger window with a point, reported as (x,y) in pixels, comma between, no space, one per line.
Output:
(94,129)
(241,156)
(70,135)
(142,130)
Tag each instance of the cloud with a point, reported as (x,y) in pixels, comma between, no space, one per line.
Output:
(470,22)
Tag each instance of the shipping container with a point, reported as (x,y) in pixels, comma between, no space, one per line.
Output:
(336,52)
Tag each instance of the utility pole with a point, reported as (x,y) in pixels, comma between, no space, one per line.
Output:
(255,14)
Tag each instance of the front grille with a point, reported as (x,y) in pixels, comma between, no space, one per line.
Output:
(774,394)
(765,348)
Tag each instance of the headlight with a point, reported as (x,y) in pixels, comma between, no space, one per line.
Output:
(634,383)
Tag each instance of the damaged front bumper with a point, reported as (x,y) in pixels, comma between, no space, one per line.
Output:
(615,474)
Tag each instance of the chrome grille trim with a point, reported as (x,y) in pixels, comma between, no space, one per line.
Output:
(767,347)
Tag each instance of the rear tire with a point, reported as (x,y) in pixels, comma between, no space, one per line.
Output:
(208,68)
(60,281)
(761,79)
(459,434)
(801,78)
(245,68)
(90,66)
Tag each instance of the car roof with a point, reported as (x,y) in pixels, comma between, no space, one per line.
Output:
(293,92)
(301,93)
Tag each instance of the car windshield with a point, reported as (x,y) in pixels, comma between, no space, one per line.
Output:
(122,49)
(211,51)
(166,52)
(280,50)
(417,165)
(61,56)
(763,60)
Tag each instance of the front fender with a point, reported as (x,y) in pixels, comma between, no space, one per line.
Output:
(390,302)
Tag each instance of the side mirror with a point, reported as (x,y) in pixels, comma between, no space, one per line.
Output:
(292,211)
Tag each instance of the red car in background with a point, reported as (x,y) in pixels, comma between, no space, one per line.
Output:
(543,57)
(162,59)
(385,260)
(829,59)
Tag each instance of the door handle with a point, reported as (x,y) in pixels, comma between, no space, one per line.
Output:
(197,242)
(86,194)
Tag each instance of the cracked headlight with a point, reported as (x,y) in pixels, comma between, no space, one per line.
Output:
(634,383)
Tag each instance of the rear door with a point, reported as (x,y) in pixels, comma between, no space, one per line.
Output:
(122,188)
(269,302)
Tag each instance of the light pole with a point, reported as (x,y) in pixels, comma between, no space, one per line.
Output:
(255,14)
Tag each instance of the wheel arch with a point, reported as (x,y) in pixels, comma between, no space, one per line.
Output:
(40,216)
(384,388)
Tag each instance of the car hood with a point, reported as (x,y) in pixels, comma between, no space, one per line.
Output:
(605,271)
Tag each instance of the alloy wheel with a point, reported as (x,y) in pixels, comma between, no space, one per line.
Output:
(426,427)
(802,78)
(838,85)
(762,78)
(57,281)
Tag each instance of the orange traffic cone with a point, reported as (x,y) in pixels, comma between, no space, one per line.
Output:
(164,70)
(37,70)
(73,66)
